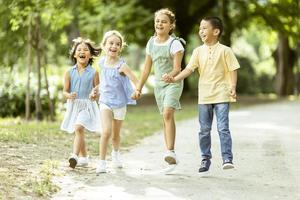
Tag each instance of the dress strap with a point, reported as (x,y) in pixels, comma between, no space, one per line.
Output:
(121,62)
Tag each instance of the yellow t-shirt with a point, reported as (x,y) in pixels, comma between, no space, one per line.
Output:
(214,64)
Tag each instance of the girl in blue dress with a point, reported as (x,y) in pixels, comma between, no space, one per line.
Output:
(82,113)
(115,93)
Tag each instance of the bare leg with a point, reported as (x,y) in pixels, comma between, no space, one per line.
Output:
(169,127)
(116,128)
(83,151)
(107,118)
(79,139)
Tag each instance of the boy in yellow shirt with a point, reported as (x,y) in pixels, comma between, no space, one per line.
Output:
(217,67)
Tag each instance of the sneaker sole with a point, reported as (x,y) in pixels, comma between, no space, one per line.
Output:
(72,162)
(228,166)
(82,165)
(168,170)
(170,160)
(204,174)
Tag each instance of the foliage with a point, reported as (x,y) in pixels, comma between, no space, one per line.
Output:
(12,95)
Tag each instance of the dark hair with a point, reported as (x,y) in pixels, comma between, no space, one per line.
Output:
(95,51)
(216,23)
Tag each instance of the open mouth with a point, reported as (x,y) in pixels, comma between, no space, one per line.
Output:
(82,56)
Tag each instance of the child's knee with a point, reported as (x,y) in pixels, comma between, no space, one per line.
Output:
(106,134)
(168,115)
(79,129)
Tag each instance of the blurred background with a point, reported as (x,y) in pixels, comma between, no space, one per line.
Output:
(36,35)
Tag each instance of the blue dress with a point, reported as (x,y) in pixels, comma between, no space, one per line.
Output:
(81,111)
(115,89)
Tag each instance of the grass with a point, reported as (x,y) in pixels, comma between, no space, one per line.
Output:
(30,151)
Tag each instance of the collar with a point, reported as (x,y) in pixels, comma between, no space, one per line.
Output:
(88,68)
(212,46)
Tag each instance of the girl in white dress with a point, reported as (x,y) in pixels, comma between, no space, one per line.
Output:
(82,112)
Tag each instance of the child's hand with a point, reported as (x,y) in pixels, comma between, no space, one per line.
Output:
(167,78)
(72,95)
(136,95)
(93,95)
(233,93)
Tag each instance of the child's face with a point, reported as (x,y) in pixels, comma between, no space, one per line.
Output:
(207,32)
(82,54)
(112,46)
(162,24)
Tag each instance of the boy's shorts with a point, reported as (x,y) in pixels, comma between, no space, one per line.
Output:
(118,113)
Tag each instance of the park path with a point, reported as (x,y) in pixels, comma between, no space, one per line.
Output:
(266,154)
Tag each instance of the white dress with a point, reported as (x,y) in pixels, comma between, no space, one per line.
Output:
(81,112)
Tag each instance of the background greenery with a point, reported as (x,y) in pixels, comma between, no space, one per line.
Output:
(36,36)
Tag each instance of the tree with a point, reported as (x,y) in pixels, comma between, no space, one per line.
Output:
(282,16)
(37,16)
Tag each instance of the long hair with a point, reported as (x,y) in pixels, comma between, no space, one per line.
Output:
(95,51)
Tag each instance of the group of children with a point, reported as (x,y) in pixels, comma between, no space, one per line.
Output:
(217,67)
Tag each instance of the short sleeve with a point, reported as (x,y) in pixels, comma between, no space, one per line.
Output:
(231,61)
(176,46)
(148,47)
(194,60)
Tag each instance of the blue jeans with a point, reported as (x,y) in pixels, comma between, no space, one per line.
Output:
(206,112)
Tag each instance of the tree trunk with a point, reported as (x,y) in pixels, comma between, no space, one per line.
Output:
(227,24)
(38,105)
(29,63)
(50,103)
(285,59)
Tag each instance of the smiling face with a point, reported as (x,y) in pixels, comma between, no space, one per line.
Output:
(162,24)
(82,54)
(113,46)
(208,34)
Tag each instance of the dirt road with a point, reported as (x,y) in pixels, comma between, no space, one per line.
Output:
(266,155)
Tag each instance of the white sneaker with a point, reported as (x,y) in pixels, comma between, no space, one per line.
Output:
(83,161)
(73,160)
(101,167)
(115,157)
(169,169)
(170,158)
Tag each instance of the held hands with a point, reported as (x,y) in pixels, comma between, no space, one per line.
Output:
(136,95)
(93,95)
(167,78)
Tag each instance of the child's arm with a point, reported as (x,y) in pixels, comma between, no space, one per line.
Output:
(94,93)
(183,74)
(177,59)
(145,73)
(233,77)
(192,65)
(127,71)
(66,89)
